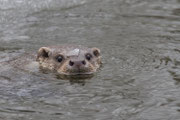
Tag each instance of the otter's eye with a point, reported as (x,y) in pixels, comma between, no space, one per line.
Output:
(59,58)
(88,56)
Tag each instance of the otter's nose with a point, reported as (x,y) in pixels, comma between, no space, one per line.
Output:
(77,63)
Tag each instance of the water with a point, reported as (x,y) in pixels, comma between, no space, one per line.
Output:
(140,76)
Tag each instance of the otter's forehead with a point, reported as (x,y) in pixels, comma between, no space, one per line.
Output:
(74,52)
(69,50)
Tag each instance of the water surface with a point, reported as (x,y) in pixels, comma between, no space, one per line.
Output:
(140,76)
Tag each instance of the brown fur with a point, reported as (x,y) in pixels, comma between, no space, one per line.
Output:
(48,58)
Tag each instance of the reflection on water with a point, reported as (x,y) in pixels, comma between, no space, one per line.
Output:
(139,40)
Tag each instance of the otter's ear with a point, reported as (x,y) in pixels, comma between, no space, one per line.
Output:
(96,52)
(43,52)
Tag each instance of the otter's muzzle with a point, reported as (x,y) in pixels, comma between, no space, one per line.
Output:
(77,64)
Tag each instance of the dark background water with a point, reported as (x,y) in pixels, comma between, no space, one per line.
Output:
(140,44)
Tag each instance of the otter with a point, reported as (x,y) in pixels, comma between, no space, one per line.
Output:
(69,59)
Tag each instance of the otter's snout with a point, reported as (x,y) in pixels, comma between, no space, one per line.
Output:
(78,64)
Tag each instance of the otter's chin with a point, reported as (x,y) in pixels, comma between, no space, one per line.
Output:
(76,73)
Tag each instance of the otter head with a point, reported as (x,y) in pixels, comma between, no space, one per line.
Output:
(70,60)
